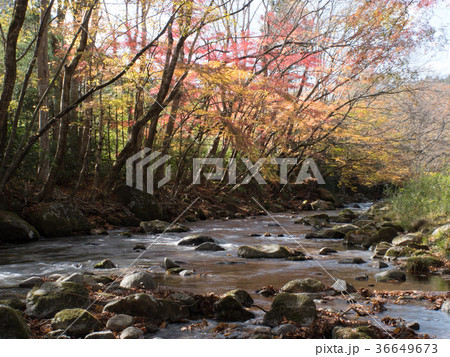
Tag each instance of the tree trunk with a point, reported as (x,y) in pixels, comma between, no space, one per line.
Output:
(9,80)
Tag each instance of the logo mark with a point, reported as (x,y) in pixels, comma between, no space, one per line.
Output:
(142,160)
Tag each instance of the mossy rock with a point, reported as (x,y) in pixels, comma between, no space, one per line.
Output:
(143,305)
(229,309)
(241,296)
(58,219)
(275,251)
(298,308)
(76,322)
(385,234)
(360,332)
(46,300)
(422,264)
(156,226)
(173,311)
(398,252)
(14,229)
(12,324)
(105,264)
(15,303)
(307,285)
(359,236)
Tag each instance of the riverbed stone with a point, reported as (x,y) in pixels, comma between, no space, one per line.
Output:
(385,234)
(307,285)
(345,228)
(12,324)
(30,282)
(343,286)
(327,251)
(356,260)
(76,322)
(195,240)
(58,219)
(378,264)
(14,229)
(345,216)
(320,205)
(327,233)
(169,264)
(100,335)
(46,300)
(397,252)
(407,239)
(241,296)
(391,274)
(131,333)
(284,329)
(275,251)
(119,322)
(360,332)
(380,250)
(141,280)
(156,226)
(188,300)
(143,205)
(173,311)
(209,247)
(441,231)
(359,236)
(15,303)
(422,264)
(320,220)
(298,308)
(143,305)
(446,306)
(230,310)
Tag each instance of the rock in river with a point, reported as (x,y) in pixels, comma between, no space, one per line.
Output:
(76,322)
(101,335)
(105,264)
(342,286)
(195,240)
(45,301)
(298,308)
(157,226)
(241,296)
(229,309)
(209,247)
(391,274)
(131,333)
(446,306)
(351,261)
(267,251)
(307,285)
(14,229)
(360,332)
(12,324)
(140,280)
(169,264)
(137,305)
(327,251)
(327,233)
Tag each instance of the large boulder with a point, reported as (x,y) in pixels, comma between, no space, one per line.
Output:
(345,216)
(390,275)
(298,308)
(327,233)
(12,324)
(76,322)
(57,219)
(46,300)
(141,280)
(14,229)
(386,234)
(143,305)
(267,251)
(229,309)
(143,205)
(359,236)
(241,296)
(195,240)
(156,226)
(407,239)
(307,285)
(422,263)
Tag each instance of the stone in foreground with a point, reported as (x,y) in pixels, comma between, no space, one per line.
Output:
(75,322)
(141,280)
(229,309)
(307,285)
(298,308)
(12,324)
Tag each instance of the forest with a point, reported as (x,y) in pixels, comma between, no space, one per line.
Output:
(328,87)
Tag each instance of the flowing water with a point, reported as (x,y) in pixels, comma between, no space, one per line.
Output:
(218,271)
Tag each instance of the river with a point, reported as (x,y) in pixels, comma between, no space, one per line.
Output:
(219,271)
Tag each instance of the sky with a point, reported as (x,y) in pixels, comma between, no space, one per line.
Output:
(435,59)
